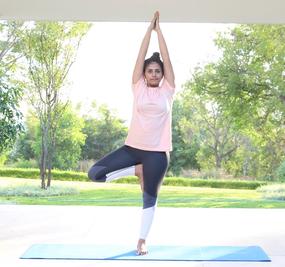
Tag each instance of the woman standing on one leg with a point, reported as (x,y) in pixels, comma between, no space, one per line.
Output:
(148,143)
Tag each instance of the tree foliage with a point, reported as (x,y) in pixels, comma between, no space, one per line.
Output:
(248,84)
(69,140)
(186,143)
(10,89)
(50,50)
(104,133)
(249,78)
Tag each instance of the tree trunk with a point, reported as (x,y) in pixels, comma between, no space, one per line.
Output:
(44,157)
(42,170)
(49,177)
(218,161)
(49,168)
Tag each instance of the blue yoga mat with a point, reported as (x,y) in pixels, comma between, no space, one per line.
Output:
(156,253)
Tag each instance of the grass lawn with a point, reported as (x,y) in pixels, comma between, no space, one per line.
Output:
(111,194)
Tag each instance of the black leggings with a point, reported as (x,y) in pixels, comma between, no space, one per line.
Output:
(154,168)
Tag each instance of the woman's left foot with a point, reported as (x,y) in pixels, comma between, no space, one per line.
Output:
(141,247)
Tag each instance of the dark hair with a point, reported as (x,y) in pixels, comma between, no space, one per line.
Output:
(154,58)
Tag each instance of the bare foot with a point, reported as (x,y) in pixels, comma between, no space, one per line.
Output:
(141,247)
(139,174)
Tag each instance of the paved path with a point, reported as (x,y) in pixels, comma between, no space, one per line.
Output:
(21,226)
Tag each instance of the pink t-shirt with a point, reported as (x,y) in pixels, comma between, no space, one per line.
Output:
(150,127)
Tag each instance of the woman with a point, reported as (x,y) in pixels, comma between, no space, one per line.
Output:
(147,146)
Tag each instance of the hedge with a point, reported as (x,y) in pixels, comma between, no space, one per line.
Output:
(35,174)
(173,181)
(212,183)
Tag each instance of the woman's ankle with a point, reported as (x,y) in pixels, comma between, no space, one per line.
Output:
(141,247)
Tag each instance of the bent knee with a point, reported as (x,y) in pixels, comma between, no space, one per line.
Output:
(96,173)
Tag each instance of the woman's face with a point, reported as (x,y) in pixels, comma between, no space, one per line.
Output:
(153,74)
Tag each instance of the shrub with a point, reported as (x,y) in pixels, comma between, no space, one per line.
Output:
(35,174)
(276,191)
(23,163)
(180,181)
(173,181)
(36,191)
(230,184)
(3,158)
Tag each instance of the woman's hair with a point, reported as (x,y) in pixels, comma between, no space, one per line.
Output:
(154,58)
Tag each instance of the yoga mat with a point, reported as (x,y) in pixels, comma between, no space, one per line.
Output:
(156,253)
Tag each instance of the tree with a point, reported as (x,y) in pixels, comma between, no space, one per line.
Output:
(248,80)
(248,85)
(50,50)
(186,143)
(10,89)
(104,133)
(69,140)
(26,143)
(218,136)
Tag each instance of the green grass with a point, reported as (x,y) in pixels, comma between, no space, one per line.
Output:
(112,194)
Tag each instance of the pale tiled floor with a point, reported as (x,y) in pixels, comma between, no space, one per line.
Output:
(22,226)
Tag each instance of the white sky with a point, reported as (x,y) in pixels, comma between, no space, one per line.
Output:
(107,55)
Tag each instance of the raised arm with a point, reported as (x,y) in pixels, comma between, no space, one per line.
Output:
(168,69)
(138,70)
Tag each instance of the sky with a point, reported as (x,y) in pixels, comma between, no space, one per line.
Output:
(107,54)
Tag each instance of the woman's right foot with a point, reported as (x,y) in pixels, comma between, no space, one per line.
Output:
(141,247)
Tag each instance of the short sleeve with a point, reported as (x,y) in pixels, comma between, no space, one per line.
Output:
(138,84)
(166,86)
